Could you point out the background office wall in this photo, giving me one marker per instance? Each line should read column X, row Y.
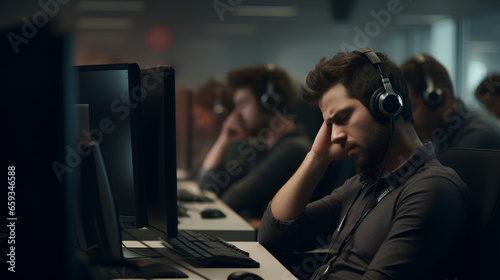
column 212, row 36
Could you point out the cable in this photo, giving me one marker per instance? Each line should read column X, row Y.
column 388, row 149
column 165, row 255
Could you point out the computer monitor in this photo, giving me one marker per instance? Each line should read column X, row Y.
column 114, row 94
column 158, row 114
column 98, row 227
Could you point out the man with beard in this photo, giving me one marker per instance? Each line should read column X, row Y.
column 404, row 216
column 259, row 146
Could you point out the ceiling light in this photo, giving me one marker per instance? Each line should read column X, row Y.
column 415, row 19
column 111, row 6
column 231, row 29
column 266, row 11
column 104, row 23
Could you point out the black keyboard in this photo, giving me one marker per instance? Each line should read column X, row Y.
column 205, row 251
column 184, row 195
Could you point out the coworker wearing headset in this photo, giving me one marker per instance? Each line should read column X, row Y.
column 441, row 117
column 259, row 146
column 488, row 93
column 403, row 216
column 211, row 104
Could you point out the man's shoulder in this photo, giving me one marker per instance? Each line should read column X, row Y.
column 295, row 139
column 478, row 125
column 434, row 174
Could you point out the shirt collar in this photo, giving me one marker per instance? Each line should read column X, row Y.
column 405, row 170
column 415, row 161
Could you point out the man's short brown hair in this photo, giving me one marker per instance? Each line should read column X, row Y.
column 358, row 75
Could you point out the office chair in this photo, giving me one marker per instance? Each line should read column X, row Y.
column 480, row 170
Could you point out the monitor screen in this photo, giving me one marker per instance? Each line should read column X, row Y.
column 158, row 114
column 113, row 93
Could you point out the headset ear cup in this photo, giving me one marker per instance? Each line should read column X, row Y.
column 434, row 98
column 374, row 109
column 269, row 101
column 218, row 108
column 385, row 106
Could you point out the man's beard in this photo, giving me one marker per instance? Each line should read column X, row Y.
column 373, row 149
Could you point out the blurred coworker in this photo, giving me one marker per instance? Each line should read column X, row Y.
column 441, row 117
column 269, row 146
column 488, row 93
column 211, row 104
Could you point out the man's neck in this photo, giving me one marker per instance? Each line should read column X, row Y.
column 405, row 142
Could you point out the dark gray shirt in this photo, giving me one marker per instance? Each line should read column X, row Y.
column 250, row 179
column 411, row 232
column 467, row 128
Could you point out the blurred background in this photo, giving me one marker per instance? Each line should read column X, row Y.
column 201, row 39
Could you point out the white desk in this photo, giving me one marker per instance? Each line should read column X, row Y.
column 230, row 228
column 269, row 268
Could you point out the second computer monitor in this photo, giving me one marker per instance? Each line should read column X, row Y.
column 158, row 115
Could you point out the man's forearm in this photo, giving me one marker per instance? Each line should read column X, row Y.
column 292, row 198
column 216, row 154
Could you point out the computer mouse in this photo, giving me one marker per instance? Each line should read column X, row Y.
column 244, row 275
column 211, row 213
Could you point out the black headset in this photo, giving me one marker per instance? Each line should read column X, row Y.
column 270, row 100
column 218, row 109
column 432, row 95
column 385, row 103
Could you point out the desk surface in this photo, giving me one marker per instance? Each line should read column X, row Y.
column 230, row 228
column 270, row 268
